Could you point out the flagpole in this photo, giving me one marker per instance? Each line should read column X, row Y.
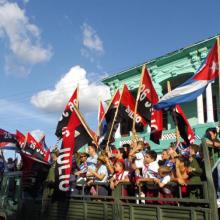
column 218, row 51
column 136, row 103
column 116, row 113
column 177, row 130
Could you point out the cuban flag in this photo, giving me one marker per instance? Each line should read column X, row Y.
column 194, row 86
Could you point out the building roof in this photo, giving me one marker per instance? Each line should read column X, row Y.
column 162, row 60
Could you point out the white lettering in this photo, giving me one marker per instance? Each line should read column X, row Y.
column 64, row 150
column 60, row 159
column 65, row 132
column 131, row 115
column 63, row 185
column 67, row 166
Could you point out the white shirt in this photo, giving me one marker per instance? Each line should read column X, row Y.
column 150, row 170
column 139, row 162
column 102, row 170
column 121, row 176
column 166, row 179
column 92, row 161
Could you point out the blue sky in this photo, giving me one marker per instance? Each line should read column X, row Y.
column 46, row 47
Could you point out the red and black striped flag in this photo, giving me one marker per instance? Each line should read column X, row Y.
column 146, row 98
column 185, row 130
column 73, row 102
column 75, row 135
column 105, row 124
column 33, row 149
column 126, row 113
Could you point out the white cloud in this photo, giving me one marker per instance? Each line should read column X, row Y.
column 91, row 40
column 55, row 100
column 24, row 37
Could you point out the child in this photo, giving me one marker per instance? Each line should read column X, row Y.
column 119, row 176
column 182, row 174
column 150, row 172
column 133, row 175
column 163, row 179
column 100, row 175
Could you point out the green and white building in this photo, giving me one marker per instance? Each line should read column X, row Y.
column 175, row 67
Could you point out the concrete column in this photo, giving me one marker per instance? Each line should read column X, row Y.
column 209, row 104
column 200, row 112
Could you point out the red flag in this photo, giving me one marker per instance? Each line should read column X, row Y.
column 34, row 149
column 186, row 131
column 106, row 122
column 127, row 111
column 21, row 139
column 67, row 112
column 156, row 125
column 75, row 135
column 147, row 98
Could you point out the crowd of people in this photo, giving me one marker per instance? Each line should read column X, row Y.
column 143, row 172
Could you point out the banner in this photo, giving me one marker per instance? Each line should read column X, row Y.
column 75, row 136
column 185, row 130
column 67, row 113
column 126, row 113
column 7, row 140
column 34, row 149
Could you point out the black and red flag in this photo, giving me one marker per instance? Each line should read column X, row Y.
column 75, row 135
column 34, row 149
column 7, row 140
column 126, row 113
column 106, row 121
column 35, row 166
column 21, row 139
column 146, row 98
column 67, row 113
column 185, row 130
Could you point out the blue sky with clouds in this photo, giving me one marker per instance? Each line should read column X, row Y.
column 47, row 47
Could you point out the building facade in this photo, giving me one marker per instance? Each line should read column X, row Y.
column 175, row 67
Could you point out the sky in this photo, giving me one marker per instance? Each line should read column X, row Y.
column 48, row 47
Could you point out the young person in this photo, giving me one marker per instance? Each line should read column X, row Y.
column 119, row 176
column 149, row 174
column 100, row 175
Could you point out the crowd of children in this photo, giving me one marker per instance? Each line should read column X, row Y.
column 143, row 172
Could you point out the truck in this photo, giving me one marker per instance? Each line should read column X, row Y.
column 15, row 203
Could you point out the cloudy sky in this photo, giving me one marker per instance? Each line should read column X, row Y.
column 48, row 47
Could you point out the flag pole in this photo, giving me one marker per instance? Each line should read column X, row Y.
column 113, row 122
column 218, row 51
column 177, row 130
column 136, row 103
